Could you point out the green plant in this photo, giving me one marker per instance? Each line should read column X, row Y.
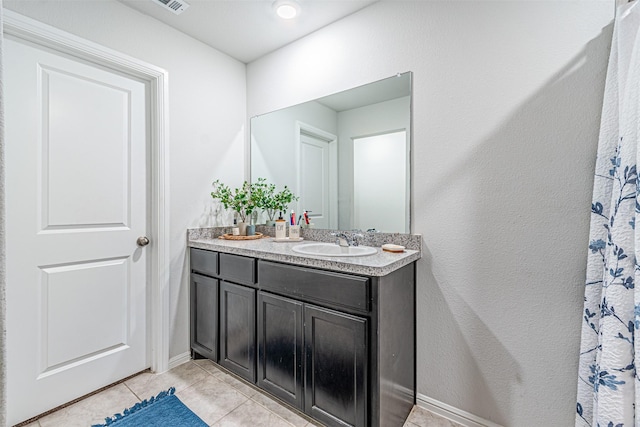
column 246, row 199
column 277, row 201
column 240, row 199
column 261, row 192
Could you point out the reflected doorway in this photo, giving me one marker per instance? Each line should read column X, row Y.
column 318, row 176
column 379, row 170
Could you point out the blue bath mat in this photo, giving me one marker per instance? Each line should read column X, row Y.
column 163, row 410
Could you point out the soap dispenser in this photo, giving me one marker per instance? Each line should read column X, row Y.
column 281, row 227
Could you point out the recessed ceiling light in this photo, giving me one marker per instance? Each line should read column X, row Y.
column 286, row 9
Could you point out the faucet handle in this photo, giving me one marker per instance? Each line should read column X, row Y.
column 355, row 237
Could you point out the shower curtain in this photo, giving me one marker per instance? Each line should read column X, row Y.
column 608, row 385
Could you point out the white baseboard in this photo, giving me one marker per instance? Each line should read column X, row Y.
column 179, row 359
column 451, row 413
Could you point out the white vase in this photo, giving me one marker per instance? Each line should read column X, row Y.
column 243, row 228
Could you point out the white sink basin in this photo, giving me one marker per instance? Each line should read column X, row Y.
column 331, row 249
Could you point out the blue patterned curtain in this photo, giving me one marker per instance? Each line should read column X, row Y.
column 608, row 384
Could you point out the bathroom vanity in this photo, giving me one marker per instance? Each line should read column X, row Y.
column 333, row 337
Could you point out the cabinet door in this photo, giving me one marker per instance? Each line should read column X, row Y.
column 280, row 347
column 204, row 316
column 238, row 329
column 336, row 367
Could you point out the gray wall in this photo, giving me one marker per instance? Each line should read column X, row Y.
column 507, row 99
column 207, row 117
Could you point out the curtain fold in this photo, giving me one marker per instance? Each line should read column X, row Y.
column 608, row 385
column 3, row 376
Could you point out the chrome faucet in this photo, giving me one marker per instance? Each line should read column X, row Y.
column 344, row 240
column 341, row 239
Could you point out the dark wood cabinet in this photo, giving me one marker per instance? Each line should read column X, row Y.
column 336, row 367
column 238, row 330
column 204, row 316
column 332, row 373
column 280, row 347
column 238, row 269
column 340, row 347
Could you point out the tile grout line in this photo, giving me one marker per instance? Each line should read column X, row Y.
column 228, row 413
column 249, row 398
column 132, row 392
column 186, row 385
column 283, row 405
column 79, row 399
column 274, row 413
column 255, row 403
column 219, row 380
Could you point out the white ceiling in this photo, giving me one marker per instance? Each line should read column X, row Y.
column 248, row 29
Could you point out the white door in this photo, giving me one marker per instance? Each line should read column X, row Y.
column 315, row 173
column 379, row 179
column 76, row 203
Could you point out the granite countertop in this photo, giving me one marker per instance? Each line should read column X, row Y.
column 379, row 264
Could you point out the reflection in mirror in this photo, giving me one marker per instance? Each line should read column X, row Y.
column 345, row 155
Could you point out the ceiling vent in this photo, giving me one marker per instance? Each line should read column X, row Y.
column 174, row 6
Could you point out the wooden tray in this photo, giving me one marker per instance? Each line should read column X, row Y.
column 232, row 237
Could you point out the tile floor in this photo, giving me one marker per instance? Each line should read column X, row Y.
column 217, row 397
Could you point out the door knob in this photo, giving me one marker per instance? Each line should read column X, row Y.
column 142, row 241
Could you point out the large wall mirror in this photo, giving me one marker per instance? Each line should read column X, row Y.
column 347, row 156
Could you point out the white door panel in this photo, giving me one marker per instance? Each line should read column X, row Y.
column 80, row 286
column 103, row 164
column 314, row 179
column 76, row 202
column 315, row 172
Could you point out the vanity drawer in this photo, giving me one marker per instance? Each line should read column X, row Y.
column 238, row 269
column 334, row 289
column 205, row 262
